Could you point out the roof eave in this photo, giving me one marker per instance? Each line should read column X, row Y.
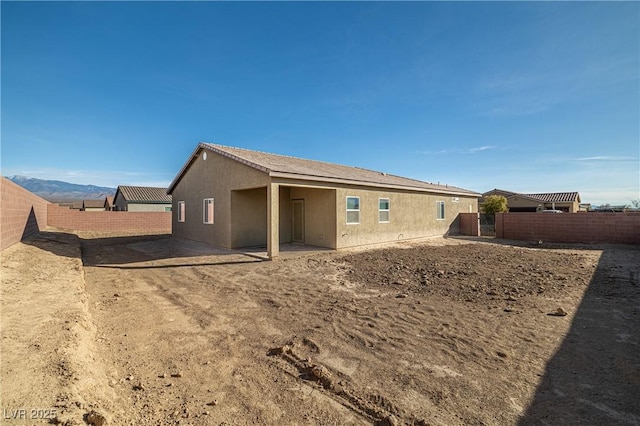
column 212, row 148
column 314, row 178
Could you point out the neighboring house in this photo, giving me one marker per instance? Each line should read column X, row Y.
column 93, row 205
column 108, row 202
column 141, row 199
column 568, row 202
column 235, row 198
column 75, row 205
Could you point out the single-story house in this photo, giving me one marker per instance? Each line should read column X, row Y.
column 92, row 205
column 233, row 197
column 568, row 202
column 76, row 205
column 108, row 203
column 141, row 199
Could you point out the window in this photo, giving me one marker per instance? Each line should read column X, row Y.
column 207, row 211
column 383, row 210
column 180, row 211
column 353, row 210
column 167, row 208
column 440, row 210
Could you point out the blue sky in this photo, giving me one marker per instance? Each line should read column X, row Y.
column 528, row 97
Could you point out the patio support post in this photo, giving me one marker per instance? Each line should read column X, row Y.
column 273, row 220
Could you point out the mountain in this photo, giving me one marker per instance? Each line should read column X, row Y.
column 57, row 191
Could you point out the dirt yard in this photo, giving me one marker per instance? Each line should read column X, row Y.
column 150, row 330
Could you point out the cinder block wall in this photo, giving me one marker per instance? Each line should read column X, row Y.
column 144, row 222
column 612, row 228
column 470, row 224
column 22, row 213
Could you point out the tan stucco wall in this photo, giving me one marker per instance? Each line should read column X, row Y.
column 135, row 207
column 120, row 203
column 285, row 214
column 523, row 202
column 412, row 215
column 319, row 215
column 215, row 178
column 249, row 217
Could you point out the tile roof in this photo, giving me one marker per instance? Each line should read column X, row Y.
column 548, row 197
column 108, row 200
column 144, row 194
column 556, row 197
column 292, row 167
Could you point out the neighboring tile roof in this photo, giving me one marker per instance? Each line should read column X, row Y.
column 293, row 167
column 93, row 204
column 144, row 194
column 108, row 200
column 556, row 197
column 549, row 197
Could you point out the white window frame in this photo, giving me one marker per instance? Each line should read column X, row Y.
column 352, row 210
column 205, row 219
column 182, row 208
column 387, row 210
column 438, row 204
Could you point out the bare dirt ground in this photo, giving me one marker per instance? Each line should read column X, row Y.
column 150, row 330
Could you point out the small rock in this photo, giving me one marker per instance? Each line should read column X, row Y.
column 130, row 377
column 116, row 295
column 95, row 419
column 402, row 296
column 558, row 313
column 178, row 374
column 319, row 371
column 163, row 375
column 213, row 403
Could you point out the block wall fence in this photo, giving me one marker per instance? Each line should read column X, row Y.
column 588, row 228
column 75, row 220
column 23, row 213
column 470, row 224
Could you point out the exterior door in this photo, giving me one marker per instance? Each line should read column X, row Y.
column 297, row 221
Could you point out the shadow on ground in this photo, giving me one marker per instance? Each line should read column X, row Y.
column 594, row 377
column 151, row 251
